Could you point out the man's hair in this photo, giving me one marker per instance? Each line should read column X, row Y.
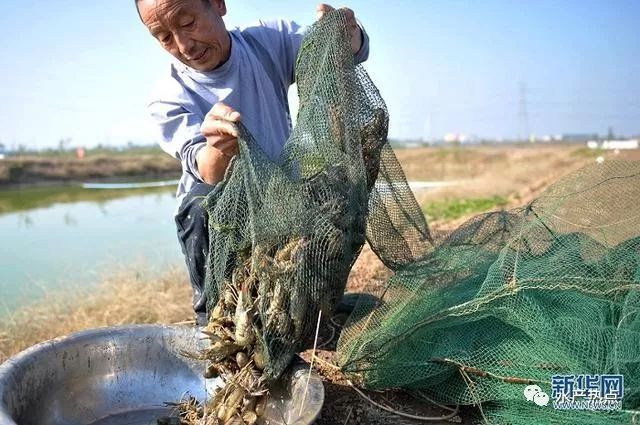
column 206, row 2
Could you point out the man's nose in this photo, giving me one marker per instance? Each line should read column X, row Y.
column 185, row 44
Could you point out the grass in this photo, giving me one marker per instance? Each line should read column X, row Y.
column 516, row 173
column 124, row 298
column 451, row 209
column 588, row 152
column 128, row 297
column 129, row 150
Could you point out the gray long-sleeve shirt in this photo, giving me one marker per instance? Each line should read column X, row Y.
column 254, row 81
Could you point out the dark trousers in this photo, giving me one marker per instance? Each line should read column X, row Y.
column 191, row 222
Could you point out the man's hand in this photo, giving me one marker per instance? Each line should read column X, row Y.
column 222, row 142
column 352, row 25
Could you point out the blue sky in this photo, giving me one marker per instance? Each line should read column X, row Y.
column 83, row 69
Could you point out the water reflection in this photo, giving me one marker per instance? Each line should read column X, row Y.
column 24, row 199
column 54, row 238
column 69, row 220
column 24, row 220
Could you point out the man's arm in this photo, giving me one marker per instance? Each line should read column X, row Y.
column 204, row 147
column 178, row 133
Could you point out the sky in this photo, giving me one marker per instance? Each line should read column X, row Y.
column 83, row 70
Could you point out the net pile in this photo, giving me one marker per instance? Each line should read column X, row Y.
column 510, row 299
column 469, row 317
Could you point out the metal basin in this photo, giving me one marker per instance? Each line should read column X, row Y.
column 124, row 375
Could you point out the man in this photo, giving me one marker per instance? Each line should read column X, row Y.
column 220, row 77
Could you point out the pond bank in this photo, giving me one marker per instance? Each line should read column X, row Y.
column 34, row 170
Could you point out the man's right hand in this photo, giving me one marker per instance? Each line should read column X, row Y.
column 222, row 142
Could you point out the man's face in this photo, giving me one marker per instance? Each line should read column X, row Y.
column 192, row 31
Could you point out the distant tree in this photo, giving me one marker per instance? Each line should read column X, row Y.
column 63, row 143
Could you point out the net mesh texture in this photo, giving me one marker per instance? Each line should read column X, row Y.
column 470, row 316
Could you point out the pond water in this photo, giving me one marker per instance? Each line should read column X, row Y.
column 58, row 238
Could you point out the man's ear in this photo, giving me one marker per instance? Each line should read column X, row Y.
column 219, row 6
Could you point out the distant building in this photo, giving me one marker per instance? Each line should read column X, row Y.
column 452, row 138
column 614, row 144
column 548, row 138
column 458, row 138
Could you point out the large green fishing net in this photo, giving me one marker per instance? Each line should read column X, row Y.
column 471, row 316
column 285, row 234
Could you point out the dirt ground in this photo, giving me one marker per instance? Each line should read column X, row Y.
column 517, row 172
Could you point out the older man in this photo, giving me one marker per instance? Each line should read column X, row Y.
column 219, row 78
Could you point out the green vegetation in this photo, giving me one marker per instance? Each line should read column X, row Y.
column 100, row 150
column 453, row 153
column 451, row 209
column 584, row 152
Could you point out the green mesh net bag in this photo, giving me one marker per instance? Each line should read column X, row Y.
column 471, row 316
column 284, row 235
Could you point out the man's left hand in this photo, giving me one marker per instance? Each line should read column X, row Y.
column 352, row 25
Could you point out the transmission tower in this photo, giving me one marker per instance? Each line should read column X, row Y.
column 523, row 115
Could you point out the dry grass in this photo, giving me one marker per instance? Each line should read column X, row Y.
column 124, row 298
column 487, row 171
column 127, row 298
column 516, row 173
